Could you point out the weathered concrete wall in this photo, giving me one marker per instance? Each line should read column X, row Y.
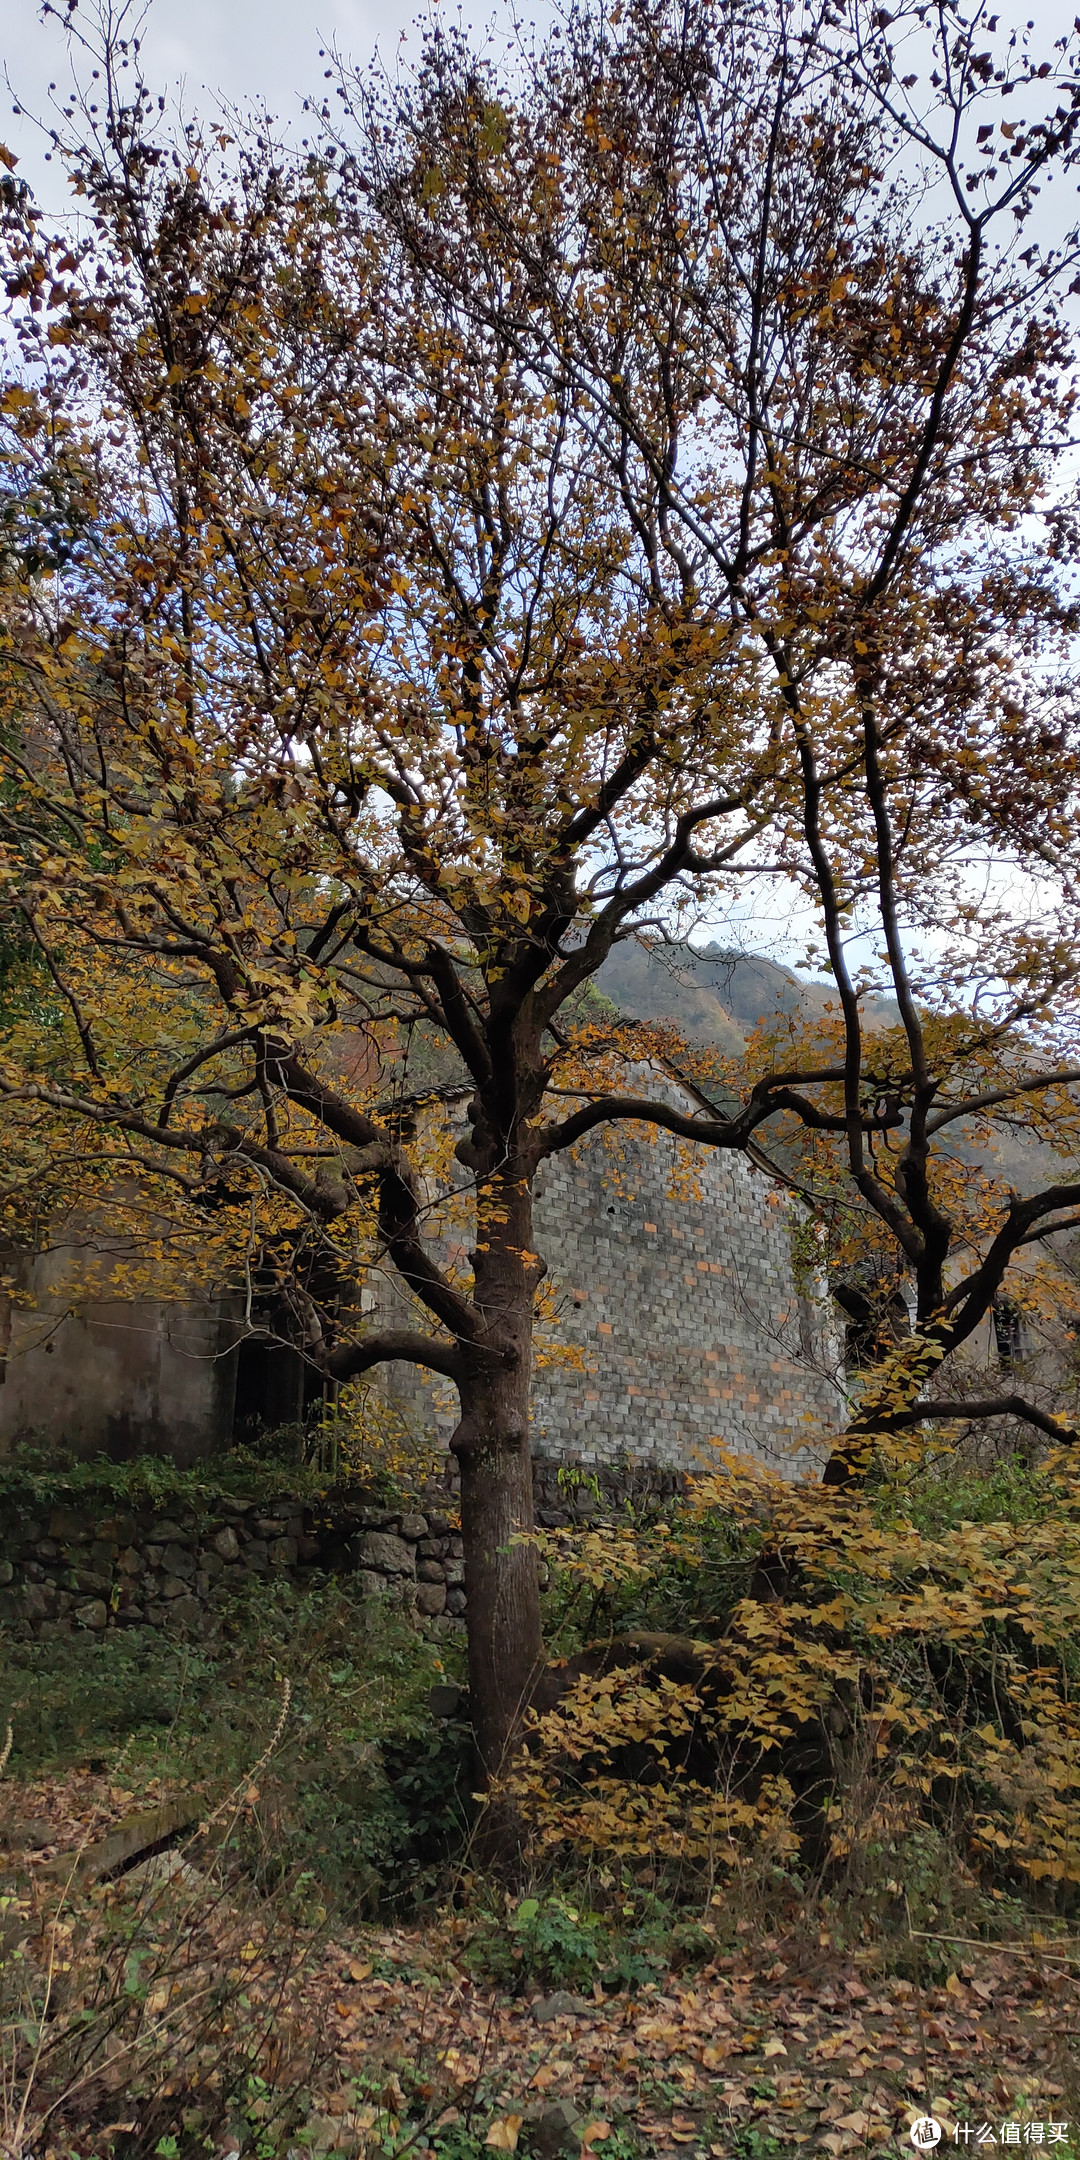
column 682, row 1314
column 116, row 1378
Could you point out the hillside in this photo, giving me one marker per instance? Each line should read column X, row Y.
column 711, row 993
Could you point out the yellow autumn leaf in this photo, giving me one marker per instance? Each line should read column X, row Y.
column 503, row 2133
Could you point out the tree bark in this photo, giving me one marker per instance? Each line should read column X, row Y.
column 501, row 1582
column 506, row 1650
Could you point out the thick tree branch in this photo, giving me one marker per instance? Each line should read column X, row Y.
column 978, row 1408
column 399, row 1208
column 726, row 1132
column 404, row 1346
column 331, row 1110
column 1048, row 1230
column 734, row 1132
column 970, row 1299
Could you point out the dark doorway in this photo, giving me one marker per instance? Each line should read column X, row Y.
column 275, row 1386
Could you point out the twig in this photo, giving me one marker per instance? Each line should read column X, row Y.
column 973, row 1942
column 238, row 1789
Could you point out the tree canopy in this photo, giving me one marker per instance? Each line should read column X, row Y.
column 563, row 494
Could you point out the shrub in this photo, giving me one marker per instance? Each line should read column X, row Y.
column 883, row 1667
column 541, row 1939
column 551, row 1941
column 31, row 1480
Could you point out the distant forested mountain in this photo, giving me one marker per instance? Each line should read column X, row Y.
column 713, row 993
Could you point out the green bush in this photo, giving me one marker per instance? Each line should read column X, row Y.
column 31, row 1480
column 542, row 1940
column 1015, row 1490
column 548, row 1941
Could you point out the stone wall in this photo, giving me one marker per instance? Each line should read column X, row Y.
column 70, row 1568
column 680, row 1314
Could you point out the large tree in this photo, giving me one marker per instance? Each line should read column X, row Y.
column 555, row 495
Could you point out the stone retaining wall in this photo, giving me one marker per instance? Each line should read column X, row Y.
column 71, row 1567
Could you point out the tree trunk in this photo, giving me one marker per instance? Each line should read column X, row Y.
column 506, row 1648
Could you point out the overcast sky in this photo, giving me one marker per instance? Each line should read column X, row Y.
column 262, row 49
column 268, row 50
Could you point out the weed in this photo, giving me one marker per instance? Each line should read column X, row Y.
column 623, row 2142
column 550, row 1941
column 753, row 2143
column 545, row 1940
column 180, row 1997
column 458, row 2141
column 32, row 1480
column 362, row 1795
column 1014, row 1490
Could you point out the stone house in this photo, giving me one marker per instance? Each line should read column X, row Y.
column 679, row 1314
column 683, row 1309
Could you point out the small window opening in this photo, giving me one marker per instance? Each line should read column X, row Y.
column 1008, row 1332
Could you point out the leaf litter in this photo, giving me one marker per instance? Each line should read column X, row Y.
column 784, row 2042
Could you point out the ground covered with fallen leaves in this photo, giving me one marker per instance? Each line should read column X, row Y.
column 779, row 2041
column 788, row 2038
